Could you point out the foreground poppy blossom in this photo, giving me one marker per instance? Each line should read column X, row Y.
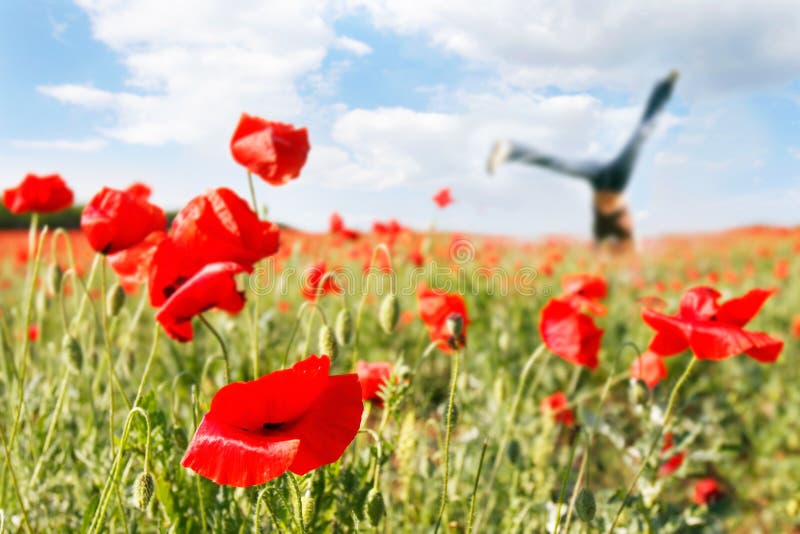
column 373, row 377
column 272, row 150
column 707, row 491
column 296, row 419
column 217, row 226
column 40, row 194
column 443, row 198
column 712, row 330
column 132, row 264
column 649, row 368
column 570, row 334
column 585, row 290
column 435, row 308
column 114, row 220
column 557, row 407
column 315, row 283
column 213, row 287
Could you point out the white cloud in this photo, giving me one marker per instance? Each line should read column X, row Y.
column 354, row 46
column 85, row 145
column 536, row 43
column 794, row 151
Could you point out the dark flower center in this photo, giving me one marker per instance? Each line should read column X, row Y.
column 272, row 426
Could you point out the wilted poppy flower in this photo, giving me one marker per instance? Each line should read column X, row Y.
column 132, row 264
column 674, row 461
column 213, row 287
column 42, row 194
column 435, row 308
column 114, row 220
column 706, row 491
column 713, row 331
column 296, row 419
column 570, row 334
column 217, row 226
column 272, row 150
column 443, row 198
column 373, row 377
column 556, row 406
column 315, row 283
column 649, row 368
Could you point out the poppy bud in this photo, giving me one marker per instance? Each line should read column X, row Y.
column 327, row 343
column 344, row 326
column 389, row 313
column 143, row 489
column 307, row 507
column 72, row 352
column 513, row 451
column 374, row 508
column 115, row 300
column 585, row 505
column 179, row 436
column 54, row 277
column 455, row 325
column 453, row 415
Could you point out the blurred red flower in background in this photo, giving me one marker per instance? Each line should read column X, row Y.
column 649, row 368
column 707, row 491
column 435, row 308
column 272, row 150
column 373, row 377
column 41, row 194
column 315, row 283
column 557, row 407
column 296, row 419
column 443, row 198
column 674, row 461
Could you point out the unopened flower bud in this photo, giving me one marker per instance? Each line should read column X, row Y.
column 72, row 352
column 455, row 325
column 307, row 507
column 143, row 489
column 374, row 508
column 54, row 277
column 327, row 343
column 389, row 313
column 344, row 326
column 585, row 505
column 115, row 300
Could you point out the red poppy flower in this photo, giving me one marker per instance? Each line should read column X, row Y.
column 781, row 269
column 313, row 285
column 435, row 307
column 388, row 231
column 114, row 220
column 674, row 461
column 706, row 491
column 296, row 419
column 213, row 287
column 33, row 332
column 132, row 264
column 337, row 227
column 42, row 194
column 584, row 290
column 713, row 331
column 556, row 406
column 217, row 226
column 570, row 334
column 272, row 150
column 443, row 198
column 796, row 326
column 373, row 377
column 649, row 368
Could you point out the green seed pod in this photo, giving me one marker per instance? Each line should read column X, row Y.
column 54, row 277
column 513, row 451
column 307, row 507
column 179, row 436
column 374, row 508
column 143, row 489
column 344, row 326
column 327, row 343
column 389, row 313
column 585, row 505
column 115, row 300
column 455, row 325
column 71, row 350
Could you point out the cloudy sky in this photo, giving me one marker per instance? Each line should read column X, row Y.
column 404, row 97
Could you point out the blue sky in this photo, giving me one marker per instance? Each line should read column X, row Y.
column 402, row 98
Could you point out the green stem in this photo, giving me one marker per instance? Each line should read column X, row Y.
column 14, row 481
column 564, row 481
column 296, row 327
column 475, row 487
column 363, row 301
column 656, row 440
column 52, row 428
column 222, row 346
column 453, row 382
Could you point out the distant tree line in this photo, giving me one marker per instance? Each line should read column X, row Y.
column 69, row 218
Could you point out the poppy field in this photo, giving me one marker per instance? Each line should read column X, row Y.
column 220, row 373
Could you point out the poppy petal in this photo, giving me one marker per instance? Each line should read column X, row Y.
column 234, row 457
column 739, row 311
column 330, row 425
column 766, row 349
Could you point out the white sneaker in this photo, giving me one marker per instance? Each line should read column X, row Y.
column 499, row 154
